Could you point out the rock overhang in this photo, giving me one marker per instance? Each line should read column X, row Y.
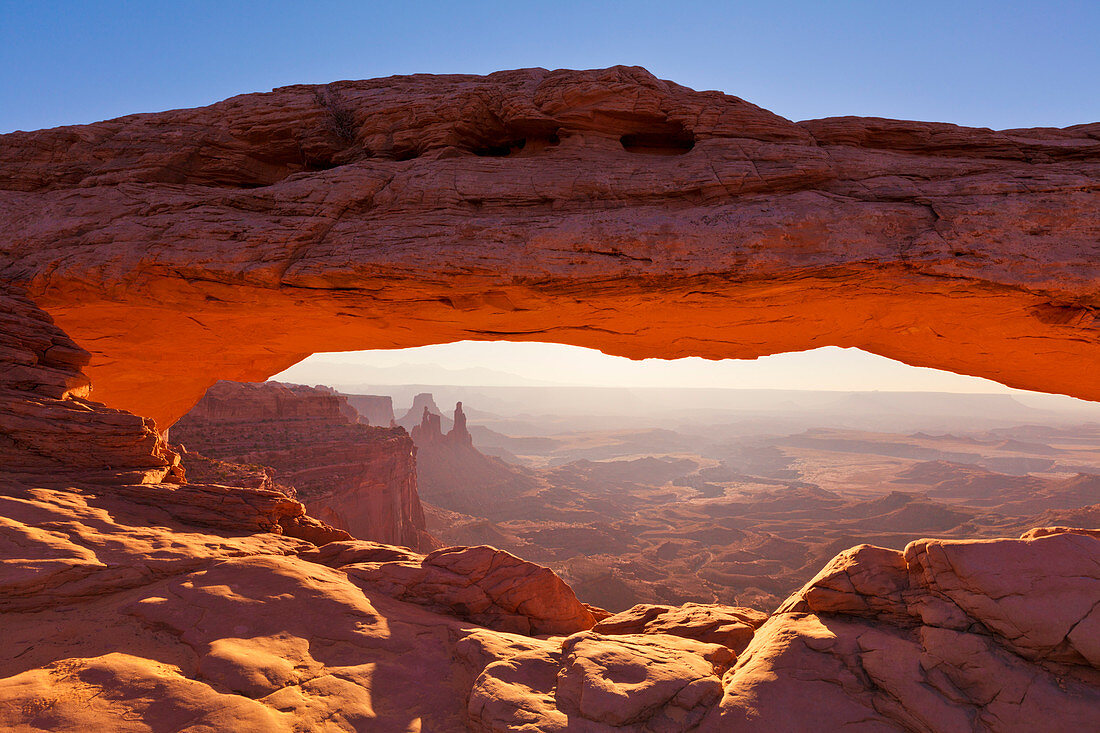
column 601, row 208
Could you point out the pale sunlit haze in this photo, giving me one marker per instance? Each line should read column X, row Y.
column 511, row 363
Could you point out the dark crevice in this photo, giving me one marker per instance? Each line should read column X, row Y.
column 674, row 141
column 501, row 150
column 501, row 139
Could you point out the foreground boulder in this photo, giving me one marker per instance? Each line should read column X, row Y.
column 945, row 636
column 712, row 623
column 482, row 584
column 590, row 682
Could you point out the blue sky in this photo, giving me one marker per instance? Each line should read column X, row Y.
column 995, row 64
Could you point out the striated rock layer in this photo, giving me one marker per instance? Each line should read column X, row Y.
column 601, row 208
column 47, row 424
column 356, row 478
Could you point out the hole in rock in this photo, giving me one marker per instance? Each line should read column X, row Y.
column 674, row 142
column 653, row 481
column 500, row 139
column 502, row 149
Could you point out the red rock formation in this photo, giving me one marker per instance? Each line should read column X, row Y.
column 104, row 466
column 270, row 226
column 424, row 403
column 47, row 424
column 482, row 584
column 128, row 607
column 711, row 623
column 373, row 409
column 455, row 475
column 993, row 635
column 990, row 635
column 603, row 208
column 357, row 478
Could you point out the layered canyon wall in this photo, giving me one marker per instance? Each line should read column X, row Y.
column 355, row 477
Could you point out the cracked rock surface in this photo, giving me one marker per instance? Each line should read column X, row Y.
column 946, row 636
column 604, row 208
column 133, row 601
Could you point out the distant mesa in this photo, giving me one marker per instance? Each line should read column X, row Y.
column 424, row 402
column 373, row 409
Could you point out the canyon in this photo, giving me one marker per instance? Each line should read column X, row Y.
column 145, row 258
column 740, row 511
column 355, row 477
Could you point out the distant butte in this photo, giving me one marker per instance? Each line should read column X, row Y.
column 604, row 208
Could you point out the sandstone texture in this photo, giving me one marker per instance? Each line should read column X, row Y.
column 354, row 477
column 481, row 584
column 712, row 623
column 594, row 683
column 603, row 208
column 47, row 424
column 947, row 636
column 598, row 208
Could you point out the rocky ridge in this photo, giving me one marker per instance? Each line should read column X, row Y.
column 357, row 478
column 603, row 208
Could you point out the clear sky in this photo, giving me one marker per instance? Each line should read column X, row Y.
column 997, row 64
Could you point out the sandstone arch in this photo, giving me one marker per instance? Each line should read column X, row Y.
column 606, row 209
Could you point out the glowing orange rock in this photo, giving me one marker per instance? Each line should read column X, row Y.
column 604, row 208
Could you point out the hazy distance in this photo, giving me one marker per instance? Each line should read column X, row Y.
column 507, row 363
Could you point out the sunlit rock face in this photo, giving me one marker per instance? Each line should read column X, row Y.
column 47, row 424
column 603, row 208
column 947, row 635
column 357, row 478
column 162, row 606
